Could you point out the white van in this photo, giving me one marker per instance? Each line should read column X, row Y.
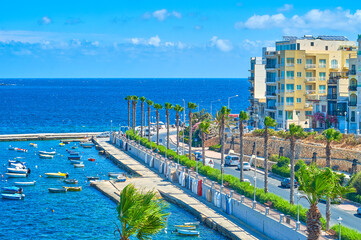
column 232, row 160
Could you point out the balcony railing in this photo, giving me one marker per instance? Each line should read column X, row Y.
column 289, row 103
column 272, row 94
column 290, row 90
column 270, row 81
column 322, row 65
column 337, row 113
column 310, row 91
column 352, row 72
column 322, row 78
column 279, row 91
column 290, row 78
column 272, row 66
column 331, row 96
column 310, row 79
column 352, row 88
column 353, row 103
column 290, row 64
column 250, row 78
column 310, row 65
column 272, row 107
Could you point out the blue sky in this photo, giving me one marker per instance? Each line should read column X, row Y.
column 174, row 38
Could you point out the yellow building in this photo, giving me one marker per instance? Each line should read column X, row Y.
column 301, row 69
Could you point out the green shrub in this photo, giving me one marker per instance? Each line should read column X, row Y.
column 216, row 147
column 282, row 171
column 356, row 182
column 347, row 233
column 354, row 197
column 283, row 162
column 299, row 164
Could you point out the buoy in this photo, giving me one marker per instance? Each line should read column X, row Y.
column 39, row 175
column 53, row 210
column 2, row 176
column 36, row 166
column 61, row 155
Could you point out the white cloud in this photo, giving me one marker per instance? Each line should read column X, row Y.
column 154, row 41
column 162, row 14
column 335, row 19
column 285, row 8
column 222, row 44
column 198, row 27
column 45, row 20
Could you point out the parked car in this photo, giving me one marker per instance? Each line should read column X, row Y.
column 198, row 155
column 359, row 211
column 232, row 160
column 146, row 132
column 104, row 135
column 286, row 182
column 246, row 166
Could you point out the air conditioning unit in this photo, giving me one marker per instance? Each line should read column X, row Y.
column 307, row 105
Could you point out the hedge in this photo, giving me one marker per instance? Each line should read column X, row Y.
column 242, row 188
column 347, row 233
column 216, row 147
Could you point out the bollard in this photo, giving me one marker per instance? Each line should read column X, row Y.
column 288, row 219
column 281, row 218
column 212, row 187
column 242, row 198
column 267, row 211
column 254, row 204
column 221, row 189
column 314, row 158
column 231, row 194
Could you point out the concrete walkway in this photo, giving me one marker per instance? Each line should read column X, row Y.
column 206, row 212
column 46, row 136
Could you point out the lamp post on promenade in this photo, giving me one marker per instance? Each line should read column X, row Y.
column 298, row 223
column 339, row 219
column 358, row 124
column 211, row 105
column 345, row 122
column 230, row 99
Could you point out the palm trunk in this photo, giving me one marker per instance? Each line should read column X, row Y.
column 190, row 135
column 313, row 222
column 203, row 148
column 328, row 154
column 128, row 114
column 133, row 109
column 149, row 124
column 135, row 115
column 141, row 118
column 292, row 160
column 328, row 202
column 241, row 151
column 167, row 129
column 219, row 134
column 177, row 117
column 157, row 127
column 266, row 160
column 222, row 148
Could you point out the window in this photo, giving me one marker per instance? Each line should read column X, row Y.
column 322, row 76
column 309, row 74
column 299, row 61
column 299, row 87
column 309, row 113
column 347, row 63
column 298, row 46
column 290, row 88
column 282, row 87
column 309, row 87
column 323, row 108
column 299, row 74
column 289, row 101
column 289, row 115
column 290, row 62
column 290, row 74
column 322, row 63
column 317, row 108
column 352, row 116
column 326, row 48
column 282, row 100
column 312, row 44
column 280, row 113
column 334, row 63
column 322, row 89
column 309, row 61
column 282, row 74
column 299, row 100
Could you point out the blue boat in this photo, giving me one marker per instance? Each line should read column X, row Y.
column 75, row 162
column 15, row 196
column 73, row 153
column 11, row 190
column 74, row 158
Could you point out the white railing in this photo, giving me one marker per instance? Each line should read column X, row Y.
column 310, row 79
column 290, row 78
column 310, row 91
column 290, row 90
column 289, row 103
column 310, row 65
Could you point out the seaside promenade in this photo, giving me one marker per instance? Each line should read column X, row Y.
column 47, row 136
column 149, row 179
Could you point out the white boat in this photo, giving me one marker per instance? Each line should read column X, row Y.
column 47, row 153
column 18, row 165
column 115, row 174
column 185, row 227
column 18, row 170
column 79, row 165
column 192, row 223
column 16, row 196
column 57, row 175
column 187, row 232
column 21, row 150
column 24, row 184
column 76, row 162
column 16, row 175
column 46, row 156
column 16, row 162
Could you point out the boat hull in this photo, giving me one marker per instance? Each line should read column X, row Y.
column 17, row 170
column 47, row 153
column 24, row 184
column 73, row 189
column 57, row 190
column 79, row 165
column 46, row 156
column 56, row 175
column 16, row 175
column 74, row 158
column 13, row 196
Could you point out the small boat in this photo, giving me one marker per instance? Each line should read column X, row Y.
column 57, row 190
column 61, row 144
column 87, row 145
column 115, row 174
column 91, row 159
column 33, row 145
column 21, row 150
column 15, row 196
column 45, row 156
column 74, row 158
column 11, row 148
column 71, row 181
column 47, row 153
column 185, row 227
column 16, row 162
column 24, row 184
column 17, row 175
column 121, row 179
column 75, row 162
column 93, row 178
column 18, row 170
column 73, row 189
column 192, row 223
column 74, row 153
column 80, row 165
column 57, row 175
column 11, row 190
column 18, row 165
column 185, row 232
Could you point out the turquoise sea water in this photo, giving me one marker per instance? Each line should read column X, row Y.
column 74, row 215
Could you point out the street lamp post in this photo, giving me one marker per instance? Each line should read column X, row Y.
column 358, row 124
column 345, row 122
column 255, row 180
column 230, row 99
column 339, row 219
column 211, row 105
column 298, row 223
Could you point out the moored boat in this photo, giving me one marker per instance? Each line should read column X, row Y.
column 61, row 144
column 121, row 179
column 18, row 165
column 16, row 162
column 57, row 175
column 74, row 147
column 16, row 175
column 18, row 170
column 87, row 144
column 193, row 223
column 15, row 196
column 71, row 181
column 80, row 165
column 21, row 150
column 11, row 148
column 24, row 184
column 73, row 153
column 185, row 227
column 91, row 159
column 74, row 158
column 11, row 190
column 33, row 145
column 45, row 156
column 115, row 174
column 93, row 178
column 57, row 190
column 47, row 153
column 185, row 232
column 75, row 162
column 73, row 189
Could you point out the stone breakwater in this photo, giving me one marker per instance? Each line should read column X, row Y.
column 47, row 136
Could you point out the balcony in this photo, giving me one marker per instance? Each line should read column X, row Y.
column 271, row 94
column 271, row 107
column 307, row 105
column 278, row 91
column 251, row 89
column 290, row 78
column 310, row 65
column 352, row 72
column 310, row 79
column 251, row 79
column 334, row 66
column 270, row 81
column 290, row 91
column 322, row 66
column 352, row 103
column 272, row 67
column 290, row 64
column 289, row 103
column 352, row 88
column 331, row 96
column 270, row 53
column 309, row 92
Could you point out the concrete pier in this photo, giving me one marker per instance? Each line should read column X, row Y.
column 203, row 210
column 47, row 136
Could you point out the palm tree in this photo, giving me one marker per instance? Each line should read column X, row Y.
column 178, row 108
column 204, row 128
column 167, row 106
column 218, row 120
column 295, row 132
column 268, row 122
column 315, row 184
column 157, row 107
column 224, row 112
column 128, row 98
column 140, row 213
column 142, row 100
column 243, row 116
column 191, row 106
column 135, row 101
column 330, row 135
column 150, row 103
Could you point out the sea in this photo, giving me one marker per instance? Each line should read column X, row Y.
column 88, row 105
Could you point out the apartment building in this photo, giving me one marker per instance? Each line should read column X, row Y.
column 297, row 74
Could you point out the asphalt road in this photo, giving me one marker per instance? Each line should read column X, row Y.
column 350, row 219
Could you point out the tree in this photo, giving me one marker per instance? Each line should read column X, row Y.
column 178, row 109
column 157, row 107
column 315, row 184
column 243, row 116
column 295, row 132
column 128, row 98
column 224, row 112
column 142, row 100
column 140, row 213
column 204, row 128
column 191, row 106
column 135, row 101
column 331, row 135
column 150, row 103
column 268, row 122
column 167, row 106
